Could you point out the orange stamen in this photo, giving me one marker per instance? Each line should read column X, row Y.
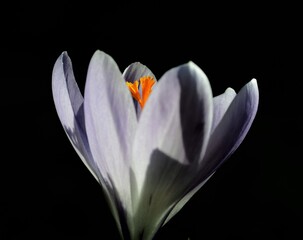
column 146, row 83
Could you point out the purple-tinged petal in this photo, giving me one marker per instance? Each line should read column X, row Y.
column 232, row 129
column 177, row 120
column 110, row 121
column 221, row 104
column 69, row 105
column 135, row 71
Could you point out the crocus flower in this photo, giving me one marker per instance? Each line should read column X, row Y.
column 151, row 145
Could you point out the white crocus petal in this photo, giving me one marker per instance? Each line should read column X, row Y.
column 135, row 71
column 69, row 105
column 176, row 115
column 172, row 134
column 110, row 121
column 240, row 111
column 232, row 129
column 221, row 103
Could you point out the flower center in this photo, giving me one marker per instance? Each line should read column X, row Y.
column 146, row 83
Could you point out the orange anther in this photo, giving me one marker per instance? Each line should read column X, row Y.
column 146, row 84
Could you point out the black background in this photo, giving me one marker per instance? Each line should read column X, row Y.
column 46, row 191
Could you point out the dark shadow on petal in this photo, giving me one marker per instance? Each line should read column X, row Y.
column 231, row 130
column 72, row 87
column 191, row 113
column 73, row 136
column 108, row 185
column 79, row 115
column 75, row 96
column 76, row 135
column 165, row 183
column 125, row 231
column 137, row 108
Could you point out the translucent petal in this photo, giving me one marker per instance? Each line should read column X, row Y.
column 69, row 105
column 110, row 121
column 232, row 129
column 172, row 134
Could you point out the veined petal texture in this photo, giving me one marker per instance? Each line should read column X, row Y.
column 69, row 105
column 232, row 128
column 110, row 121
column 172, row 136
column 150, row 159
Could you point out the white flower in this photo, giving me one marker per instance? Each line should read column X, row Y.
column 150, row 161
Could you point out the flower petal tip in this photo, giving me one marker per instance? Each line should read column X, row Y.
column 191, row 64
column 64, row 57
column 230, row 90
column 252, row 92
column 254, row 82
column 253, row 85
column 98, row 54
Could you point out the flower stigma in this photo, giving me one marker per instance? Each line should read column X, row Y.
column 146, row 83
